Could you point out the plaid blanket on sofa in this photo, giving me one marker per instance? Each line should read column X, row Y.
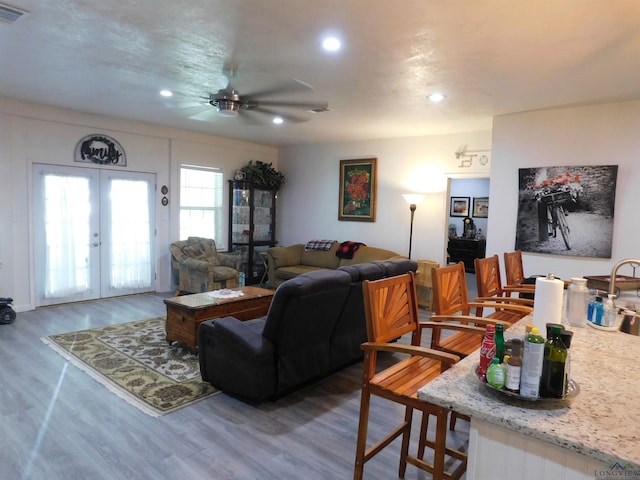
column 348, row 249
column 319, row 245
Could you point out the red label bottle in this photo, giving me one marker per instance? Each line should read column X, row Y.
column 487, row 351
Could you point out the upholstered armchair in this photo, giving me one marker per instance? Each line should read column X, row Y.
column 198, row 267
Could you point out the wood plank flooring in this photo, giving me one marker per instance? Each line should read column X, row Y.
column 58, row 423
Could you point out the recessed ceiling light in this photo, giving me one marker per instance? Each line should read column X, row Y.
column 436, row 97
column 331, row 44
column 166, row 93
column 278, row 120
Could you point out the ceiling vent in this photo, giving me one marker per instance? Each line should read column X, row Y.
column 10, row 14
column 319, row 109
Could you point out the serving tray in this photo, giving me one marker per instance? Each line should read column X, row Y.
column 542, row 403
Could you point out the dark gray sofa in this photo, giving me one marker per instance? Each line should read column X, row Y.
column 315, row 325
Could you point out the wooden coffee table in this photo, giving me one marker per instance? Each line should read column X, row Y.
column 186, row 313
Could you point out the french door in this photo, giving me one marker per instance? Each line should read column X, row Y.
column 94, row 233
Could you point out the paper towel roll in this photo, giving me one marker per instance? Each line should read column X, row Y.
column 547, row 306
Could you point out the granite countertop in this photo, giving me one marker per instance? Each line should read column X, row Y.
column 602, row 421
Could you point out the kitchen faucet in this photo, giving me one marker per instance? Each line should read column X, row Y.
column 614, row 272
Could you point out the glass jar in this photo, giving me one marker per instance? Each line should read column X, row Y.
column 577, row 302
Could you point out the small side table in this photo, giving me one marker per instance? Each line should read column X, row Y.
column 424, row 284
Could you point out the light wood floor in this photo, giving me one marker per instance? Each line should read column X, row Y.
column 58, row 423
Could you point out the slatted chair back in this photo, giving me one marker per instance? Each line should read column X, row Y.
column 450, row 294
column 451, row 298
column 513, row 269
column 489, row 285
column 488, row 278
column 391, row 309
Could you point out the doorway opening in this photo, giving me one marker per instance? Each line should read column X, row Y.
column 467, row 217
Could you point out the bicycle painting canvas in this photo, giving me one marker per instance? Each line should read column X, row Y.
column 566, row 210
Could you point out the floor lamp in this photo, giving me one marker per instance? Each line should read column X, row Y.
column 412, row 199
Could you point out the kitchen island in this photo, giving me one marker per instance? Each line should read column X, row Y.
column 594, row 435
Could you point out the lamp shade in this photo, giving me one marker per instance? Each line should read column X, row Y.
column 413, row 198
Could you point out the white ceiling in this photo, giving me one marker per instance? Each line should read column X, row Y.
column 488, row 57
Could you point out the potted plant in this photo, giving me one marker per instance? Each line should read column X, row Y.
column 262, row 175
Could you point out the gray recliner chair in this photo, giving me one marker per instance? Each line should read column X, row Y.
column 269, row 356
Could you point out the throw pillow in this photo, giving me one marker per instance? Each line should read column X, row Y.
column 319, row 245
column 194, row 251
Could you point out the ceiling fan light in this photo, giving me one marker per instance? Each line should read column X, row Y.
column 331, row 44
column 227, row 108
column 278, row 120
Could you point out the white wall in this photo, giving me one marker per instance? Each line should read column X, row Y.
column 308, row 202
column 591, row 135
column 31, row 133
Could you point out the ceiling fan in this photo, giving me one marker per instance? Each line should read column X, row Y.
column 264, row 104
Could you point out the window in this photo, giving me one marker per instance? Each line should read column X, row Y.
column 201, row 191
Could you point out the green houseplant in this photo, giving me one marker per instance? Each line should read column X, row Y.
column 262, row 174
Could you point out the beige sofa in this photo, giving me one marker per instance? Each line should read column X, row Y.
column 289, row 262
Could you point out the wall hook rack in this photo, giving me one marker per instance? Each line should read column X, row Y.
column 466, row 157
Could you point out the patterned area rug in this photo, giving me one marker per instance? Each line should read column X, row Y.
column 134, row 361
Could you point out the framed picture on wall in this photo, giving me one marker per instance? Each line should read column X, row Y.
column 481, row 207
column 459, row 207
column 358, row 190
column 567, row 210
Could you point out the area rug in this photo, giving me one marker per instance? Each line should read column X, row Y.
column 134, row 361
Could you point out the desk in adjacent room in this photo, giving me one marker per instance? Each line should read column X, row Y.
column 466, row 250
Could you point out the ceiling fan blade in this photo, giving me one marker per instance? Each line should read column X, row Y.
column 292, row 85
column 285, row 116
column 285, row 104
column 206, row 115
column 251, row 118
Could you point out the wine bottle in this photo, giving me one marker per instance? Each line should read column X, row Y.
column 553, row 383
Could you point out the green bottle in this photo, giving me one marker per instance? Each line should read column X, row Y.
column 499, row 339
column 553, row 383
column 495, row 374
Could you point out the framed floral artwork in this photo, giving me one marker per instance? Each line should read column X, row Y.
column 480, row 207
column 459, row 207
column 358, row 190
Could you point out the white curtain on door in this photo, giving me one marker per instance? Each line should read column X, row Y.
column 130, row 234
column 67, row 210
